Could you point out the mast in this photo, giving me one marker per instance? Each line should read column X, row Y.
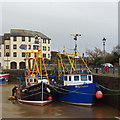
column 75, row 49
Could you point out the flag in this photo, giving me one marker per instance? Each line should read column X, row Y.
column 23, row 47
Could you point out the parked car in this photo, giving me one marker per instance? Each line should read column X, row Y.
column 108, row 64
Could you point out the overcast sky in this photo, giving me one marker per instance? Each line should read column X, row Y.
column 58, row 20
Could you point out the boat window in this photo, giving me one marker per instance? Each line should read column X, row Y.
column 76, row 78
column 83, row 77
column 65, row 78
column 69, row 78
column 34, row 80
column 89, row 78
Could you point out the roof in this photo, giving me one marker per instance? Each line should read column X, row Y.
column 1, row 40
column 28, row 33
column 6, row 36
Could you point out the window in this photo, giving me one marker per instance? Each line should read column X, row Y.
column 7, row 54
column 14, row 54
column 0, row 54
column 48, row 41
column 14, row 39
column 29, row 55
column 89, row 78
column 23, row 54
column 23, row 38
column 44, row 55
column 65, row 78
column 7, row 46
column 34, row 47
column 83, row 77
column 44, row 48
column 14, row 46
column 48, row 48
column 35, row 54
column 37, row 47
column 76, row 78
column 69, row 78
column 29, row 47
column 48, row 55
column 44, row 40
column 29, row 39
column 36, row 41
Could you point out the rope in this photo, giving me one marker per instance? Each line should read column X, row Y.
column 70, row 91
column 80, row 92
column 109, row 89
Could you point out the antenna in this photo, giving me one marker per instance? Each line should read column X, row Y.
column 75, row 38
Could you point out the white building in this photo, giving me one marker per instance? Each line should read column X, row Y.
column 1, row 52
column 18, row 41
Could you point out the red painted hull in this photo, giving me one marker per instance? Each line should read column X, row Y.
column 5, row 75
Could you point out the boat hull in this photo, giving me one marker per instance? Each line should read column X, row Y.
column 36, row 94
column 4, row 79
column 5, row 76
column 40, row 103
column 79, row 94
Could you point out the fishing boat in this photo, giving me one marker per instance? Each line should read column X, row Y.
column 35, row 89
column 3, row 77
column 77, row 87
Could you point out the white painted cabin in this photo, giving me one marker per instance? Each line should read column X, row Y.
column 77, row 79
column 34, row 80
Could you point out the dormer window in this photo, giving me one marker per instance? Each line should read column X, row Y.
column 37, row 39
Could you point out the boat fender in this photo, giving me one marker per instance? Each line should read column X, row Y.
column 48, row 90
column 12, row 98
column 99, row 94
column 49, row 98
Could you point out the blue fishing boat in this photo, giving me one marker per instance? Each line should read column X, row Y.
column 77, row 86
column 78, row 89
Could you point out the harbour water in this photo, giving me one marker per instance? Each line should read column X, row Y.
column 13, row 109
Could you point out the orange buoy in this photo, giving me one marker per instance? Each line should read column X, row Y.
column 49, row 98
column 99, row 94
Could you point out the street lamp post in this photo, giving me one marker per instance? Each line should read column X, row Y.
column 104, row 40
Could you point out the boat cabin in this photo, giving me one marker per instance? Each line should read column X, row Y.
column 34, row 80
column 77, row 79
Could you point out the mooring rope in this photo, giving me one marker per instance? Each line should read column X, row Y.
column 69, row 91
column 109, row 89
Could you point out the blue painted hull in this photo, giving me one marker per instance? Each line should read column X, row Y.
column 3, row 81
column 80, row 94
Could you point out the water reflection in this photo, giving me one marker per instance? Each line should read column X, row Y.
column 14, row 109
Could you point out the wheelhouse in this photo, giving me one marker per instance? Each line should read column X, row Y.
column 77, row 79
column 34, row 80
